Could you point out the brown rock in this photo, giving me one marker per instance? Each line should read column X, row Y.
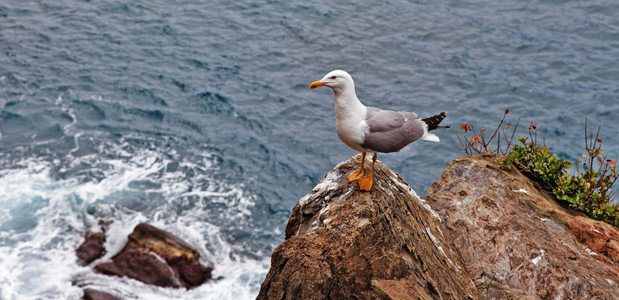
column 342, row 243
column 157, row 257
column 141, row 264
column 598, row 236
column 504, row 228
column 92, row 247
column 90, row 294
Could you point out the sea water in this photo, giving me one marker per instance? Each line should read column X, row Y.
column 196, row 117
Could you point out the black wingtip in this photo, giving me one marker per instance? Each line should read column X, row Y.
column 433, row 121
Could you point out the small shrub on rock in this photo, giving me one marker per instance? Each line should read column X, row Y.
column 589, row 191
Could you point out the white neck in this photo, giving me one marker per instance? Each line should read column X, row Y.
column 347, row 104
column 350, row 119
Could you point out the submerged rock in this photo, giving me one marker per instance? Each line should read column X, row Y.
column 90, row 294
column 92, row 248
column 509, row 232
column 157, row 257
column 343, row 243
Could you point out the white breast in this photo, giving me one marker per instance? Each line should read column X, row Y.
column 351, row 127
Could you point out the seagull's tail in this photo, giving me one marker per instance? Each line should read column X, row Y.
column 431, row 137
column 433, row 121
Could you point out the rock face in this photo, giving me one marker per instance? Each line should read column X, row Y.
column 342, row 243
column 157, row 257
column 500, row 224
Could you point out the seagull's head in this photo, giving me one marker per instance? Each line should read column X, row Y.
column 337, row 80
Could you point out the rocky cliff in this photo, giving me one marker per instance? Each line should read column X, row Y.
column 481, row 231
column 506, row 229
column 343, row 243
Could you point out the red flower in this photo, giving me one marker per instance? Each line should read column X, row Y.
column 465, row 127
column 475, row 139
column 532, row 126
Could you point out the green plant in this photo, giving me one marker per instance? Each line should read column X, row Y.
column 537, row 163
column 590, row 191
column 487, row 285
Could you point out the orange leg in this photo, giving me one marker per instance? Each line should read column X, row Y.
column 365, row 182
column 359, row 173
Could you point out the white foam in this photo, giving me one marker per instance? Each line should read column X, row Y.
column 37, row 253
column 43, row 219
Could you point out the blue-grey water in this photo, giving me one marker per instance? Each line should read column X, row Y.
column 195, row 116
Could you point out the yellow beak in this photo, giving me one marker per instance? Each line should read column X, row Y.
column 316, row 84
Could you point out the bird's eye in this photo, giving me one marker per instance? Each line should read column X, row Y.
column 333, row 77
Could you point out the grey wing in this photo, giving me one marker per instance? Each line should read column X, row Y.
column 380, row 120
column 390, row 131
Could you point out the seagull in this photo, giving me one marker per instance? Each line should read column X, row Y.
column 370, row 129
